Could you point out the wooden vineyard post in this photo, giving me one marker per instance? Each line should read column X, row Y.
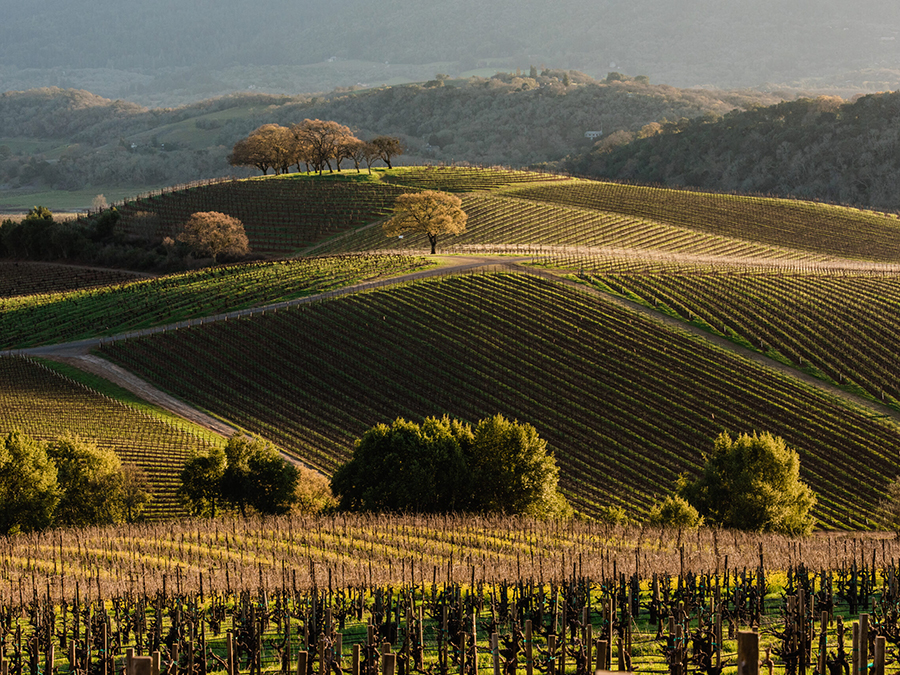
column 474, row 644
column 354, row 663
column 620, row 648
column 141, row 665
column 48, row 662
column 288, row 657
column 72, row 656
column 551, row 654
column 105, row 641
column 301, row 663
column 529, row 649
column 420, row 634
column 602, row 650
column 719, row 639
column 387, row 663
column 323, row 664
column 863, row 644
column 588, row 645
column 880, row 645
column 229, row 658
column 129, row 658
column 495, row 652
column 156, row 662
column 462, row 653
column 443, row 664
column 854, row 666
column 748, row 653
column 823, row 643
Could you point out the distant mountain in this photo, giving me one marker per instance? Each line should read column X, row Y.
column 824, row 148
column 162, row 52
column 71, row 139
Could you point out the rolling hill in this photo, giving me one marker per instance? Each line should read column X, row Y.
column 630, row 325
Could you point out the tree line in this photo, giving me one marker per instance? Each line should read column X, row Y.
column 313, row 143
column 69, row 482
column 823, row 148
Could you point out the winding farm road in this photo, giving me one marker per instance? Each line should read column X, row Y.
column 78, row 353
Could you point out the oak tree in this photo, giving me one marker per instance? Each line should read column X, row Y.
column 320, row 142
column 29, row 491
column 386, row 147
column 429, row 212
column 752, row 482
column 212, row 234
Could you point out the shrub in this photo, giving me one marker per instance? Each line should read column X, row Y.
column 752, row 483
column 674, row 511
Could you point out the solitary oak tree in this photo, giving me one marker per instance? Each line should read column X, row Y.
column 430, row 212
column 386, row 147
column 211, row 233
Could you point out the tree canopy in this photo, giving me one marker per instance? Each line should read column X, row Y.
column 752, row 483
column 444, row 465
column 430, row 212
column 247, row 474
column 67, row 482
column 91, row 481
column 213, row 234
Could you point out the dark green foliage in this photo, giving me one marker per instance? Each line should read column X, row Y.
column 512, row 470
column 407, row 467
column 443, row 465
column 674, row 511
column 201, row 480
column 249, row 474
column 29, row 490
column 824, row 148
column 91, row 482
column 752, row 483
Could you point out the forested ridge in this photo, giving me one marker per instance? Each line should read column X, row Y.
column 69, row 139
column 164, row 51
column 823, row 148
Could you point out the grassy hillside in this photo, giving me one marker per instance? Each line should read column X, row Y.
column 626, row 403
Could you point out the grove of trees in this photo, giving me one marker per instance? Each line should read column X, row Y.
column 247, row 475
column 312, row 143
column 445, row 465
column 68, row 482
column 430, row 212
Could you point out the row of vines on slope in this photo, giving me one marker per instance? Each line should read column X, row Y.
column 627, row 404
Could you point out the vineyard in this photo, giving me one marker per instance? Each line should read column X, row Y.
column 626, row 403
column 28, row 278
column 806, row 226
column 464, row 179
column 45, row 405
column 282, row 214
column 841, row 328
column 369, row 594
column 498, row 224
column 63, row 317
